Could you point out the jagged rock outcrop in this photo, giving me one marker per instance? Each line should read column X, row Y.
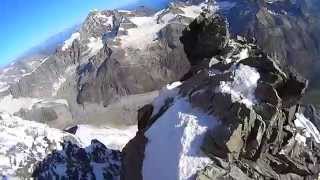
column 205, row 40
column 73, row 162
column 23, row 144
column 236, row 115
column 286, row 30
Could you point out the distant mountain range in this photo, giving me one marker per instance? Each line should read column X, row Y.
column 49, row 46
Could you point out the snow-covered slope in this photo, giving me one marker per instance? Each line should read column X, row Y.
column 175, row 138
column 24, row 144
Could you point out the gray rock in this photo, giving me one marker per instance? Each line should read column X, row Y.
column 205, row 37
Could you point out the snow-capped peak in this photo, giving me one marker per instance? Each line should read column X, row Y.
column 147, row 27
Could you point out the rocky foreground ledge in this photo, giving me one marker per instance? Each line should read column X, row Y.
column 235, row 115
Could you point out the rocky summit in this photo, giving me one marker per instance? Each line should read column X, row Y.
column 200, row 90
column 235, row 115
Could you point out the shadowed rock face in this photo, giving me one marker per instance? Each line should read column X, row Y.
column 257, row 140
column 73, row 162
column 204, row 38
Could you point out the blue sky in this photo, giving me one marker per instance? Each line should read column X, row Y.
column 26, row 23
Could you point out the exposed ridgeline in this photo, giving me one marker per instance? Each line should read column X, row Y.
column 234, row 115
column 286, row 30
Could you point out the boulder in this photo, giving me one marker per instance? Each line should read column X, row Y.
column 205, row 37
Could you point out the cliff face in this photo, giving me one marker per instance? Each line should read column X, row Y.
column 235, row 115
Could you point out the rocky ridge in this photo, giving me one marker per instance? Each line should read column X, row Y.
column 286, row 30
column 107, row 66
column 235, row 115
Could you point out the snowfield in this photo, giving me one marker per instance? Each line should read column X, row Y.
column 112, row 138
column 176, row 138
column 23, row 142
column 143, row 35
column 147, row 27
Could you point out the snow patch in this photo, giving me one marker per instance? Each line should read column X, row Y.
column 143, row 35
column 112, row 138
column 56, row 86
column 168, row 92
column 243, row 86
column 94, row 46
column 109, row 21
column 176, row 138
column 174, row 85
column 244, row 54
column 309, row 130
column 12, row 105
column 69, row 41
column 192, row 11
column 124, row 11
